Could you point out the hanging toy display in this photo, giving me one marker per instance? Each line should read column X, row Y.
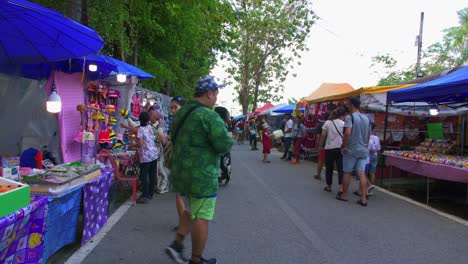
column 124, row 113
column 88, row 141
column 101, row 95
column 104, row 139
column 112, row 121
column 96, row 116
column 136, row 105
column 82, row 109
column 92, row 90
column 114, row 97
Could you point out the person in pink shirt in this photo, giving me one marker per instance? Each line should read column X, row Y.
column 267, row 142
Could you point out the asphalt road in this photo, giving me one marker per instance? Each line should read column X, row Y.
column 277, row 213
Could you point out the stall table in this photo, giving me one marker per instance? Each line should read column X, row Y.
column 22, row 233
column 427, row 169
column 35, row 232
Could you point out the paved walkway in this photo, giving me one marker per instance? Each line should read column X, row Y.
column 277, row 213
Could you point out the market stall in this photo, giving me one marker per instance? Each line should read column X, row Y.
column 440, row 156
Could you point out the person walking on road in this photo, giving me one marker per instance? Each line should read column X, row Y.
column 288, row 134
column 253, row 134
column 267, row 142
column 299, row 133
column 332, row 134
column 199, row 138
column 354, row 149
column 225, row 175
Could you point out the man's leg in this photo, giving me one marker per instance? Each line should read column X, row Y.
column 348, row 166
column 176, row 249
column 202, row 212
column 287, row 145
column 199, row 237
column 180, row 205
column 346, row 180
column 363, row 186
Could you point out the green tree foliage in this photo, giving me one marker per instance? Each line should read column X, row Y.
column 384, row 66
column 451, row 52
column 177, row 41
column 266, row 37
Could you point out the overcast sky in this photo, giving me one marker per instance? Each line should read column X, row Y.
column 350, row 33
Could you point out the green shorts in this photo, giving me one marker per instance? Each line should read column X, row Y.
column 202, row 208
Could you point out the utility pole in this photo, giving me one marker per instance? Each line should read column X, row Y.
column 419, row 43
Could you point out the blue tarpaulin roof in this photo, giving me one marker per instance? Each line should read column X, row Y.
column 240, row 116
column 125, row 68
column 449, row 88
column 107, row 66
column 31, row 34
column 287, row 109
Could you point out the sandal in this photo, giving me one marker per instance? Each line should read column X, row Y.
column 340, row 198
column 327, row 189
column 358, row 194
column 361, row 203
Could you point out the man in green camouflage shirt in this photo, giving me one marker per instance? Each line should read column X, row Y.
column 199, row 137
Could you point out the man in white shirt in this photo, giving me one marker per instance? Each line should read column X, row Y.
column 288, row 134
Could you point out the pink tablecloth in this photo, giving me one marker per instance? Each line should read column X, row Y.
column 429, row 169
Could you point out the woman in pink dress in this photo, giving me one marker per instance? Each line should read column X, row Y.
column 267, row 142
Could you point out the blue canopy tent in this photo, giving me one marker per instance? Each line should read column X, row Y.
column 125, row 68
column 30, row 33
column 240, row 116
column 287, row 109
column 451, row 88
column 43, row 70
column 106, row 66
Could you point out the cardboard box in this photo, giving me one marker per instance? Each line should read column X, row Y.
column 15, row 199
column 10, row 167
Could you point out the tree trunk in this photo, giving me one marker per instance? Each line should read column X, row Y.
column 84, row 13
column 75, row 10
column 167, row 88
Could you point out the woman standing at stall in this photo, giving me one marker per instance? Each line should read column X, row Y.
column 148, row 153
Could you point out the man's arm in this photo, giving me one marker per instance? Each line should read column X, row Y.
column 218, row 134
column 288, row 129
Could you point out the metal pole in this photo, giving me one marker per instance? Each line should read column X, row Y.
column 382, row 169
column 462, row 135
column 427, row 191
column 418, row 61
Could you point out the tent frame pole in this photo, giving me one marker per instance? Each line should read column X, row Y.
column 382, row 169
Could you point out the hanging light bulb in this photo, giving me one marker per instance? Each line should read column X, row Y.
column 433, row 111
column 121, row 77
column 54, row 102
column 92, row 67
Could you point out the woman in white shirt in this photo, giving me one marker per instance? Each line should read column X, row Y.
column 332, row 134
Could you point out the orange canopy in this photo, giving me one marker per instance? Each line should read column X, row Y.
column 326, row 90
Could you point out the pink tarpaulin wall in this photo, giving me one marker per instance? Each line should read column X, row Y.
column 70, row 89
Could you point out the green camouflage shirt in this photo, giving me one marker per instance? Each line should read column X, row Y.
column 196, row 153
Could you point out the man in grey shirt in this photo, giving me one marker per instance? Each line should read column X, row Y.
column 354, row 149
